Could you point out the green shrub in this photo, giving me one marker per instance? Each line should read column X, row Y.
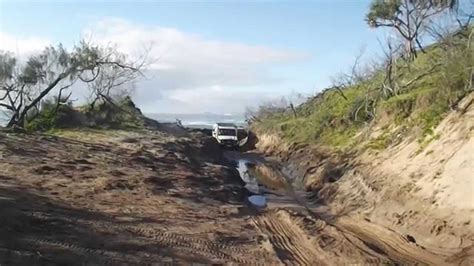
column 381, row 142
column 119, row 114
column 50, row 116
column 427, row 88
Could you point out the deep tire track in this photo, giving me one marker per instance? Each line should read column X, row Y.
column 104, row 257
column 397, row 247
column 203, row 248
column 289, row 240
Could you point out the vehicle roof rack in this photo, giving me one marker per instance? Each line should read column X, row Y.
column 226, row 125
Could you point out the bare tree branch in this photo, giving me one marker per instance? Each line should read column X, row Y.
column 424, row 74
column 55, row 70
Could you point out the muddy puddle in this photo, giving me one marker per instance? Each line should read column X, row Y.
column 266, row 186
column 251, row 183
column 287, row 212
column 258, row 199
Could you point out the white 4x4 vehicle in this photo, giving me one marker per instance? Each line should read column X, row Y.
column 226, row 134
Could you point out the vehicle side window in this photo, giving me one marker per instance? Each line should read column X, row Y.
column 227, row 132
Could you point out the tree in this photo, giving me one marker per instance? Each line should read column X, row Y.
column 465, row 15
column 23, row 86
column 356, row 75
column 268, row 108
column 115, row 82
column 409, row 18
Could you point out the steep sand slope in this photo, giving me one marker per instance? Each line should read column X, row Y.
column 424, row 195
column 427, row 193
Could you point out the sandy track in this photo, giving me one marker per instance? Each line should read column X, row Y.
column 360, row 241
column 291, row 244
column 139, row 199
column 218, row 253
column 209, row 251
column 120, row 198
column 396, row 247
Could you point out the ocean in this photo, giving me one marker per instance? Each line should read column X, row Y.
column 204, row 120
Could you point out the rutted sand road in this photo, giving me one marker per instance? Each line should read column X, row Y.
column 141, row 198
column 121, row 198
column 299, row 231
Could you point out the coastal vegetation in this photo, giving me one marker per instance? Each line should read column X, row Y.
column 35, row 92
column 405, row 94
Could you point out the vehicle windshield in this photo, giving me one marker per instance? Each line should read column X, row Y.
column 227, row 132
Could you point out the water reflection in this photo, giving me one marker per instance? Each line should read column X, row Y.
column 251, row 183
column 258, row 201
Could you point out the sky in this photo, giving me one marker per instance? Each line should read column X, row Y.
column 208, row 56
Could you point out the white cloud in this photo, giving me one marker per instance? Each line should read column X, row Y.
column 189, row 72
column 189, row 67
column 22, row 46
column 174, row 48
column 214, row 99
